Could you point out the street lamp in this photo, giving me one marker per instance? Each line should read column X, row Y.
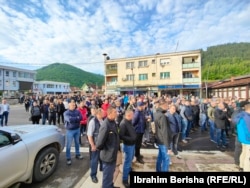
column 206, row 83
column 133, row 81
column 105, row 74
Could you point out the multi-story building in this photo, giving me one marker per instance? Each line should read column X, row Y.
column 51, row 87
column 174, row 74
column 14, row 80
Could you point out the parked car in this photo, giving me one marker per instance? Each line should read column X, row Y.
column 29, row 153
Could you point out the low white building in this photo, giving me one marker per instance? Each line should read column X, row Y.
column 51, row 87
column 15, row 80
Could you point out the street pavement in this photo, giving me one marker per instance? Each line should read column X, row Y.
column 198, row 155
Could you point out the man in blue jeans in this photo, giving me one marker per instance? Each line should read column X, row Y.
column 128, row 135
column 92, row 133
column 163, row 136
column 210, row 114
column 5, row 108
column 72, row 118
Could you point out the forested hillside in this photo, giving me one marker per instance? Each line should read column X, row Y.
column 67, row 73
column 223, row 61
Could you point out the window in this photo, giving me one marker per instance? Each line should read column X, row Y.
column 143, row 76
column 113, row 79
column 143, row 63
column 14, row 83
column 187, row 75
column 130, row 65
column 153, row 74
column 7, row 73
column 14, row 74
column 4, row 140
column 130, row 77
column 153, row 61
column 50, row 86
column 164, row 75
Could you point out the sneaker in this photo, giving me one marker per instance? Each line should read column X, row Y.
column 94, row 179
column 184, row 141
column 188, row 138
column 170, row 163
column 68, row 161
column 213, row 141
column 149, row 143
column 155, row 145
column 79, row 157
column 144, row 144
column 140, row 160
column 178, row 157
column 125, row 183
column 141, row 156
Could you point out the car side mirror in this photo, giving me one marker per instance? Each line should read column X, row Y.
column 15, row 138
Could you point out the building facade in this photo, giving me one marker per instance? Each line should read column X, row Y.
column 51, row 87
column 14, row 80
column 171, row 73
column 234, row 87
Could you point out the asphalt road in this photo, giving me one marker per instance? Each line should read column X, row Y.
column 65, row 176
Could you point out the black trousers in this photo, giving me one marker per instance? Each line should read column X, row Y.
column 138, row 144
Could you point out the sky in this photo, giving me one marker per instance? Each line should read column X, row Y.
column 37, row 33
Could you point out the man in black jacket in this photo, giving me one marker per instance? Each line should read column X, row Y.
column 128, row 135
column 220, row 118
column 163, row 136
column 108, row 142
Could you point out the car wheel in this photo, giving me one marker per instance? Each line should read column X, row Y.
column 45, row 164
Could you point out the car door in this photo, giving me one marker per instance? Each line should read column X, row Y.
column 13, row 160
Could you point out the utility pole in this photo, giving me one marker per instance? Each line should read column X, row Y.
column 133, row 81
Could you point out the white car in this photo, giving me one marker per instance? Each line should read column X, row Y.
column 29, row 153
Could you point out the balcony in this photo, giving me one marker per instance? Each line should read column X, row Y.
column 190, row 65
column 111, row 71
column 111, row 84
column 191, row 80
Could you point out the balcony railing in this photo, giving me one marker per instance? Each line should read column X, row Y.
column 111, row 83
column 191, row 80
column 111, row 71
column 190, row 65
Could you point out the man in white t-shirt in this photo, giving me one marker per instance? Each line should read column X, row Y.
column 5, row 108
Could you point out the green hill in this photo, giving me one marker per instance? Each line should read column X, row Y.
column 61, row 72
column 223, row 61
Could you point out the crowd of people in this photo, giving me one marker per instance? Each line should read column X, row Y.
column 125, row 123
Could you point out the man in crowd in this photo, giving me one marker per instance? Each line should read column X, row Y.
column 210, row 114
column 128, row 135
column 108, row 142
column 243, row 130
column 163, row 136
column 5, row 109
column 72, row 118
column 175, row 127
column 139, row 123
column 220, row 118
column 92, row 133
